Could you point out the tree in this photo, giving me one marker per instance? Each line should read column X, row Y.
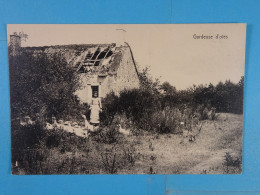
column 168, row 88
column 41, row 84
column 147, row 82
column 238, row 104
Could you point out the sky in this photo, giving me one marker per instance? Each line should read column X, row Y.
column 176, row 53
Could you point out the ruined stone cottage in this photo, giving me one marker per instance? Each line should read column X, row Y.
column 102, row 68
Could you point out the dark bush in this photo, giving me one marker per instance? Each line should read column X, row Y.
column 36, row 150
column 43, row 85
column 137, row 105
column 231, row 164
column 24, row 141
column 109, row 109
column 24, row 137
column 107, row 134
column 52, row 141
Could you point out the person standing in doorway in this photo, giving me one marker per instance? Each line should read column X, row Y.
column 95, row 108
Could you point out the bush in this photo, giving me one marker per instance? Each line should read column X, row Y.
column 137, row 105
column 166, row 120
column 109, row 109
column 24, row 137
column 149, row 109
column 231, row 164
column 35, row 150
column 119, row 155
column 107, row 134
column 142, row 110
column 110, row 161
column 130, row 155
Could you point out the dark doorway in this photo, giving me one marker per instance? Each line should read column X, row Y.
column 94, row 91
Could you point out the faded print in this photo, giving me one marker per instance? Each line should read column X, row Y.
column 127, row 99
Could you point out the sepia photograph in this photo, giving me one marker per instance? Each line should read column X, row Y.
column 126, row 98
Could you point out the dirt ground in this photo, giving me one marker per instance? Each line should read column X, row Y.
column 175, row 154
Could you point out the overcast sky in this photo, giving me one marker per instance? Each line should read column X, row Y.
column 169, row 49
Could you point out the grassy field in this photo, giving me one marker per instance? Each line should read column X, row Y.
column 174, row 154
column 216, row 149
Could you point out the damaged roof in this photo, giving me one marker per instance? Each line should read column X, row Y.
column 101, row 59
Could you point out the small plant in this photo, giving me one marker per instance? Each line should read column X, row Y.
column 151, row 171
column 153, row 158
column 166, row 120
column 107, row 135
column 52, row 141
column 204, row 171
column 230, row 163
column 109, row 161
column 151, row 146
column 130, row 155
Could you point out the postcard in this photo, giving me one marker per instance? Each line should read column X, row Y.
column 126, row 98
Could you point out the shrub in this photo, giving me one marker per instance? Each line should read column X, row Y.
column 130, row 155
column 109, row 160
column 110, row 109
column 37, row 151
column 117, row 156
column 52, row 141
column 137, row 105
column 107, row 134
column 24, row 137
column 230, row 163
column 166, row 120
column 162, row 112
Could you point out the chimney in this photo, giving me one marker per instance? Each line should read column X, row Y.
column 15, row 44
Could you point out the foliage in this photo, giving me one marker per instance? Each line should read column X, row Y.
column 107, row 134
column 161, row 108
column 24, row 137
column 42, row 84
column 36, row 150
column 147, row 83
column 110, row 108
column 130, row 154
column 138, row 105
column 143, row 110
column 111, row 158
column 225, row 97
column 166, row 120
column 167, row 88
column 230, row 163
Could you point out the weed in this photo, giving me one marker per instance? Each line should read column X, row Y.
column 109, row 160
column 231, row 162
column 151, row 146
column 130, row 155
column 151, row 171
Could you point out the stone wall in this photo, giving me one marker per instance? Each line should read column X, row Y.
column 125, row 77
column 85, row 92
